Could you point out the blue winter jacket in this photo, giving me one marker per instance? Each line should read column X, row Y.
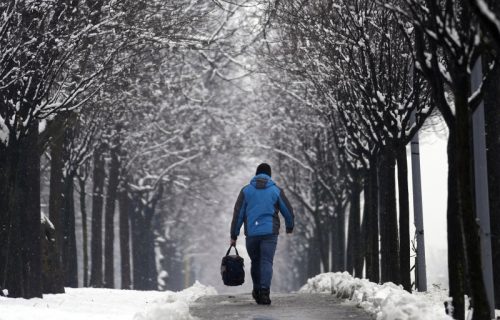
column 258, row 205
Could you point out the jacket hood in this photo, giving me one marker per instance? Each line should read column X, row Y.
column 262, row 181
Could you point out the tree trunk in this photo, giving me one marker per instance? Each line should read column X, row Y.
column 21, row 250
column 143, row 255
column 49, row 259
column 97, row 205
column 83, row 211
column 325, row 244
column 372, row 224
column 56, row 198
column 4, row 216
column 456, row 251
column 174, row 266
column 114, row 171
column 338, row 241
column 322, row 242
column 349, row 262
column 29, row 200
column 69, row 254
column 353, row 244
column 318, row 230
column 359, row 253
column 465, row 199
column 135, row 216
column 492, row 116
column 13, row 275
column 313, row 258
column 404, row 218
column 389, row 241
column 124, row 202
column 365, row 229
column 152, row 271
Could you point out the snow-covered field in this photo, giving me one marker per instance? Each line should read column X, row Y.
column 105, row 304
column 387, row 301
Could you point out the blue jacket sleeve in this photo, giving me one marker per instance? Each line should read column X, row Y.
column 287, row 211
column 238, row 215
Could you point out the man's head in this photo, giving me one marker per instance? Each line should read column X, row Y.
column 263, row 168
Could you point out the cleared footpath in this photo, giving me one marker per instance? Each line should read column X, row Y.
column 284, row 306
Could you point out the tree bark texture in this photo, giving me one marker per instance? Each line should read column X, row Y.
column 389, row 241
column 143, row 244
column 466, row 200
column 125, row 204
column 174, row 267
column 52, row 282
column 322, row 241
column 69, row 253
column 31, row 248
column 338, row 241
column 56, row 198
column 372, row 224
column 492, row 116
column 320, row 233
column 21, row 250
column 83, row 212
column 354, row 266
column 111, row 197
column 404, row 218
column 99, row 173
column 456, row 250
column 313, row 257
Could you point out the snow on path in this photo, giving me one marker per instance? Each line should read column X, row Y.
column 386, row 301
column 105, row 304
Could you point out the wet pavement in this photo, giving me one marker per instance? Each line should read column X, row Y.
column 284, row 306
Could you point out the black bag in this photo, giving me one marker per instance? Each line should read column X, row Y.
column 232, row 269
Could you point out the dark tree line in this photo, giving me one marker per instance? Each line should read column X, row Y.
column 103, row 104
column 371, row 73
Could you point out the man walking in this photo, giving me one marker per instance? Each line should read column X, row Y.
column 257, row 206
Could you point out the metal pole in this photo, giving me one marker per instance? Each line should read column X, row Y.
column 420, row 270
column 481, row 189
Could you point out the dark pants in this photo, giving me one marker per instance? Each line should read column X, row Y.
column 261, row 251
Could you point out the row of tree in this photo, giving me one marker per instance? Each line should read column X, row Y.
column 108, row 107
column 361, row 79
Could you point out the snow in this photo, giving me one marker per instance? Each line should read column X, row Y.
column 381, row 96
column 4, row 132
column 105, row 304
column 387, row 301
column 42, row 125
column 483, row 7
column 45, row 220
column 175, row 305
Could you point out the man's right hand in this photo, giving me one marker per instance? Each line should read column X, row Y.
column 233, row 242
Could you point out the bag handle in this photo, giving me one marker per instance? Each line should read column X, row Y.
column 229, row 250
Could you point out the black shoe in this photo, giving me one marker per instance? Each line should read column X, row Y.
column 264, row 296
column 255, row 295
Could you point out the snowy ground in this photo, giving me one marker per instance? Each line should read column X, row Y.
column 105, row 304
column 387, row 301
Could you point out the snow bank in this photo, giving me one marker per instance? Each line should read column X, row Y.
column 386, row 301
column 104, row 304
column 175, row 305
